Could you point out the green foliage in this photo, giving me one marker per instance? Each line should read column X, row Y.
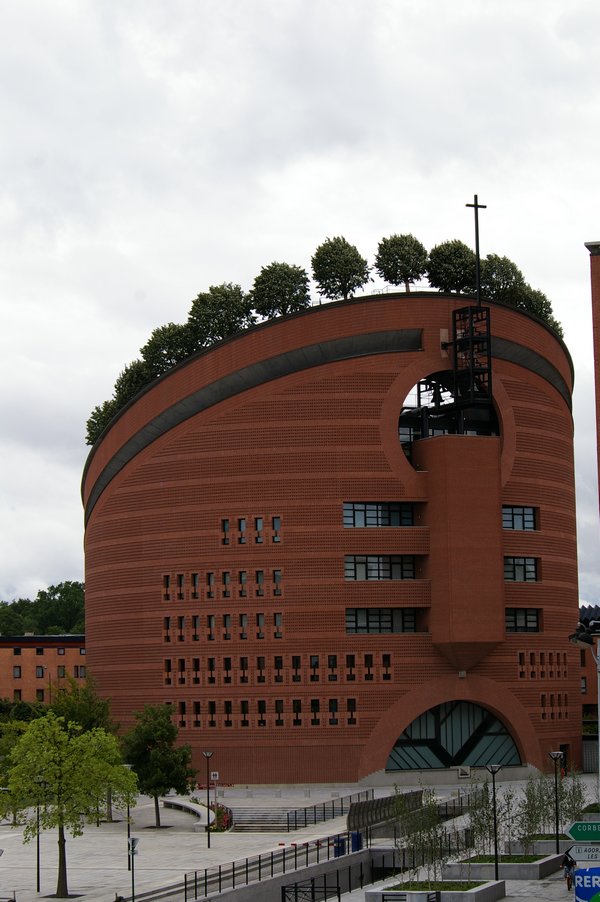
column 401, row 259
column 280, row 289
column 572, row 798
column 218, row 313
column 502, row 280
column 338, row 269
column 159, row 764
column 481, row 816
column 68, row 772
column 452, row 267
column 99, row 419
column 20, row 711
column 80, row 703
column 130, row 381
column 56, row 610
column 167, row 346
column 535, row 811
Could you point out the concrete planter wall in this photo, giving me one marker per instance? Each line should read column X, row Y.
column 539, row 847
column 487, row 892
column 534, row 870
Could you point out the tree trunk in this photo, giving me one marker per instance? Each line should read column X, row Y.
column 157, row 811
column 407, row 285
column 109, row 811
column 62, row 889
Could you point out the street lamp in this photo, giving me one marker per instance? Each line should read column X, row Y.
column 583, row 637
column 208, row 756
column 493, row 770
column 129, row 767
column 556, row 757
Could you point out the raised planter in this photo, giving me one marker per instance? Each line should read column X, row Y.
column 518, row 870
column 540, row 847
column 487, row 892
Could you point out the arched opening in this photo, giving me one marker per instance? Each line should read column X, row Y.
column 453, row 733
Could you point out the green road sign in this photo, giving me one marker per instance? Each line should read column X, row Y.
column 585, row 831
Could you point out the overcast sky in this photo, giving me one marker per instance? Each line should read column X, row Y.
column 150, row 149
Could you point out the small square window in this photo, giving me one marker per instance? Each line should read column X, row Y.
column 60, row 651
column 39, row 651
column 16, row 651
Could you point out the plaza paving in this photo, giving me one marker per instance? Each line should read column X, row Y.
column 97, row 861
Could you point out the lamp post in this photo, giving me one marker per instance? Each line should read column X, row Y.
column 493, row 770
column 583, row 637
column 208, row 756
column 556, row 757
column 129, row 767
column 41, row 784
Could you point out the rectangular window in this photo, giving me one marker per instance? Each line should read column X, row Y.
column 195, row 585
column 180, row 629
column 180, row 586
column 16, row 673
column 39, row 672
column 210, row 625
column 278, row 712
column 260, row 582
column 60, row 651
column 195, row 627
column 520, row 569
column 258, row 530
column 16, row 695
column 211, row 670
column 276, row 582
column 351, row 709
column 350, row 665
column 166, row 587
column 82, row 651
column 583, row 685
column 262, row 711
column 297, row 712
column 242, row 583
column 167, row 628
column 278, row 667
column 314, row 668
column 226, row 580
column 296, row 664
column 212, row 714
column 244, row 713
column 242, row 531
column 277, row 626
column 243, row 626
column 515, row 517
column 315, row 708
column 227, row 670
column 196, row 670
column 196, row 710
column 181, row 671
column 276, row 527
column 225, row 532
column 359, row 514
column 243, row 670
column 61, row 671
column 226, row 626
column 210, row 585
column 39, row 695
column 386, row 661
column 522, row 620
column 39, row 651
column 260, row 667
column 260, row 626
column 228, row 709
column 381, row 620
column 379, row 566
column 17, row 651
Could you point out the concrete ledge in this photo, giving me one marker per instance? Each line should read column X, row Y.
column 182, row 803
column 487, row 892
column 521, row 870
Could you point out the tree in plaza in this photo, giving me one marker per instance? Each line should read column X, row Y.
column 150, row 748
column 338, row 269
column 79, row 703
column 217, row 313
column 68, row 770
column 280, row 288
column 401, row 259
column 452, row 267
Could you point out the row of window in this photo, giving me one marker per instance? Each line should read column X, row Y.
column 40, row 672
column 40, row 651
column 543, row 665
column 359, row 514
column 245, row 534
column 279, row 712
column 402, row 566
column 554, row 706
column 223, row 626
column 226, row 584
column 288, row 668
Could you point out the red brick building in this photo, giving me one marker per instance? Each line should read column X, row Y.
column 32, row 666
column 344, row 541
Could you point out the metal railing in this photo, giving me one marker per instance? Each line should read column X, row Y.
column 324, row 811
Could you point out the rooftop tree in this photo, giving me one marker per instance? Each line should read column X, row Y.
column 217, row 313
column 167, row 346
column 452, row 267
column 279, row 289
column 338, row 269
column 401, row 260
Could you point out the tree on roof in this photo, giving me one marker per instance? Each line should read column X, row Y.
column 451, row 267
column 401, row 260
column 338, row 269
column 280, row 288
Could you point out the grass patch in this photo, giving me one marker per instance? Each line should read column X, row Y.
column 448, row 886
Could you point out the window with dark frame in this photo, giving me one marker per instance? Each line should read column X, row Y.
column 381, row 620
column 359, row 514
column 521, row 569
column 379, row 566
column 518, row 517
column 522, row 620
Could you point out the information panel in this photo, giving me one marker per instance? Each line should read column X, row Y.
column 587, row 885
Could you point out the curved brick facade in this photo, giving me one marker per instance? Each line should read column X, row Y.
column 220, row 576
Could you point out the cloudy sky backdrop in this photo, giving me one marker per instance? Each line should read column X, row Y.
column 151, row 148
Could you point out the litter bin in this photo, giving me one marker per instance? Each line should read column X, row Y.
column 356, row 841
column 339, row 846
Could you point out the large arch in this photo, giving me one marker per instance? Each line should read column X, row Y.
column 484, row 692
